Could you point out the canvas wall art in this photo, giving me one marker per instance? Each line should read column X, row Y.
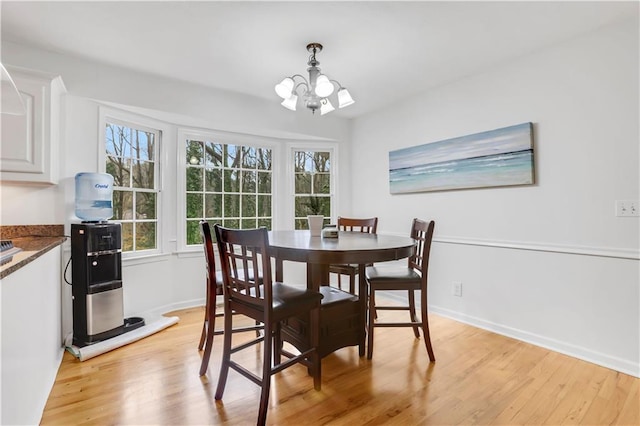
column 501, row 157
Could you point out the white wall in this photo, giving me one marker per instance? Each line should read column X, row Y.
column 547, row 263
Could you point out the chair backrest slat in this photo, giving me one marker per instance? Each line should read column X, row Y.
column 368, row 225
column 209, row 256
column 242, row 251
column 422, row 232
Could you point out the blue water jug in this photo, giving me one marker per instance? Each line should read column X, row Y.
column 94, row 193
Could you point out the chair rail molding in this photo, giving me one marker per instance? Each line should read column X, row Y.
column 619, row 253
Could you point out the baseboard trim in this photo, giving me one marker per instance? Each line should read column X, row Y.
column 604, row 360
column 163, row 310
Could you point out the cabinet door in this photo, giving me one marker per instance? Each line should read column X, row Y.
column 29, row 142
column 23, row 136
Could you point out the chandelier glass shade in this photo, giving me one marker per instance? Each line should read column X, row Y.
column 315, row 90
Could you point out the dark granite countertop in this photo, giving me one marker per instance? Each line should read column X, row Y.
column 34, row 240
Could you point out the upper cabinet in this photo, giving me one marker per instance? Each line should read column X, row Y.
column 30, row 142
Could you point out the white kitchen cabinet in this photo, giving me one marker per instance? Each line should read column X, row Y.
column 30, row 142
column 31, row 341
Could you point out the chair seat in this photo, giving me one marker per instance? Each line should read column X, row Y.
column 332, row 295
column 291, row 299
column 286, row 299
column 390, row 278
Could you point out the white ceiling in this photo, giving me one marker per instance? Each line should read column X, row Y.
column 380, row 51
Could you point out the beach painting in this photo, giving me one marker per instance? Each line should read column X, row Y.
column 501, row 157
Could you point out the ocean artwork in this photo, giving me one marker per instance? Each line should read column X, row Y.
column 501, row 157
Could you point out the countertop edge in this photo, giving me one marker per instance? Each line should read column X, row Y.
column 38, row 239
column 48, row 245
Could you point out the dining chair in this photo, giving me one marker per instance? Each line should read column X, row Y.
column 410, row 278
column 269, row 303
column 214, row 289
column 369, row 225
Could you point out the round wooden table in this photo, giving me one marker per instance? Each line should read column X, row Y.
column 350, row 247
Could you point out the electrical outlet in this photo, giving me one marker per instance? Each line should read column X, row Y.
column 457, row 288
column 627, row 208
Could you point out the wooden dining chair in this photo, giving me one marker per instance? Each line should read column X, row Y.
column 411, row 278
column 214, row 288
column 269, row 303
column 369, row 225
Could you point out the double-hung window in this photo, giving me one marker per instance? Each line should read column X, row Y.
column 132, row 159
column 226, row 183
column 312, row 177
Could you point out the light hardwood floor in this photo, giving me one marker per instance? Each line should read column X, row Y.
column 478, row 378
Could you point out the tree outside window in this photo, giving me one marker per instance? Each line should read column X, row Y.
column 312, row 186
column 131, row 160
column 227, row 184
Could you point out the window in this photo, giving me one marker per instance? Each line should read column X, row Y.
column 131, row 158
column 227, row 184
column 312, row 186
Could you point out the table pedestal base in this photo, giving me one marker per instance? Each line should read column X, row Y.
column 340, row 323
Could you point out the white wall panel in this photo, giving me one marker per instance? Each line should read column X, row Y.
column 582, row 97
column 585, row 306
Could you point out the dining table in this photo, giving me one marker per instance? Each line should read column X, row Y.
column 349, row 247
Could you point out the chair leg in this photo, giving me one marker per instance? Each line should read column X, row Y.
column 412, row 313
column 226, row 354
column 277, row 344
column 205, row 323
column 210, row 328
column 340, row 281
column 203, row 334
column 266, row 374
column 316, row 361
column 372, row 315
column 352, row 283
column 375, row 313
column 425, row 327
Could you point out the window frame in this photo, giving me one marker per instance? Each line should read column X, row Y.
column 138, row 122
column 224, row 138
column 332, row 148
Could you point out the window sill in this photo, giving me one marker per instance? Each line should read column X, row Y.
column 188, row 253
column 140, row 260
column 161, row 257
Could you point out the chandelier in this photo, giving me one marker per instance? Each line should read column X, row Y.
column 316, row 90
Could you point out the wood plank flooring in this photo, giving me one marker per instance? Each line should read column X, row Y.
column 479, row 378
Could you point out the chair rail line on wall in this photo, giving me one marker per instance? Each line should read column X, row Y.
column 618, row 253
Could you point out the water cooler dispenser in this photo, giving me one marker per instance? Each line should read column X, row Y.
column 98, row 311
column 96, row 254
